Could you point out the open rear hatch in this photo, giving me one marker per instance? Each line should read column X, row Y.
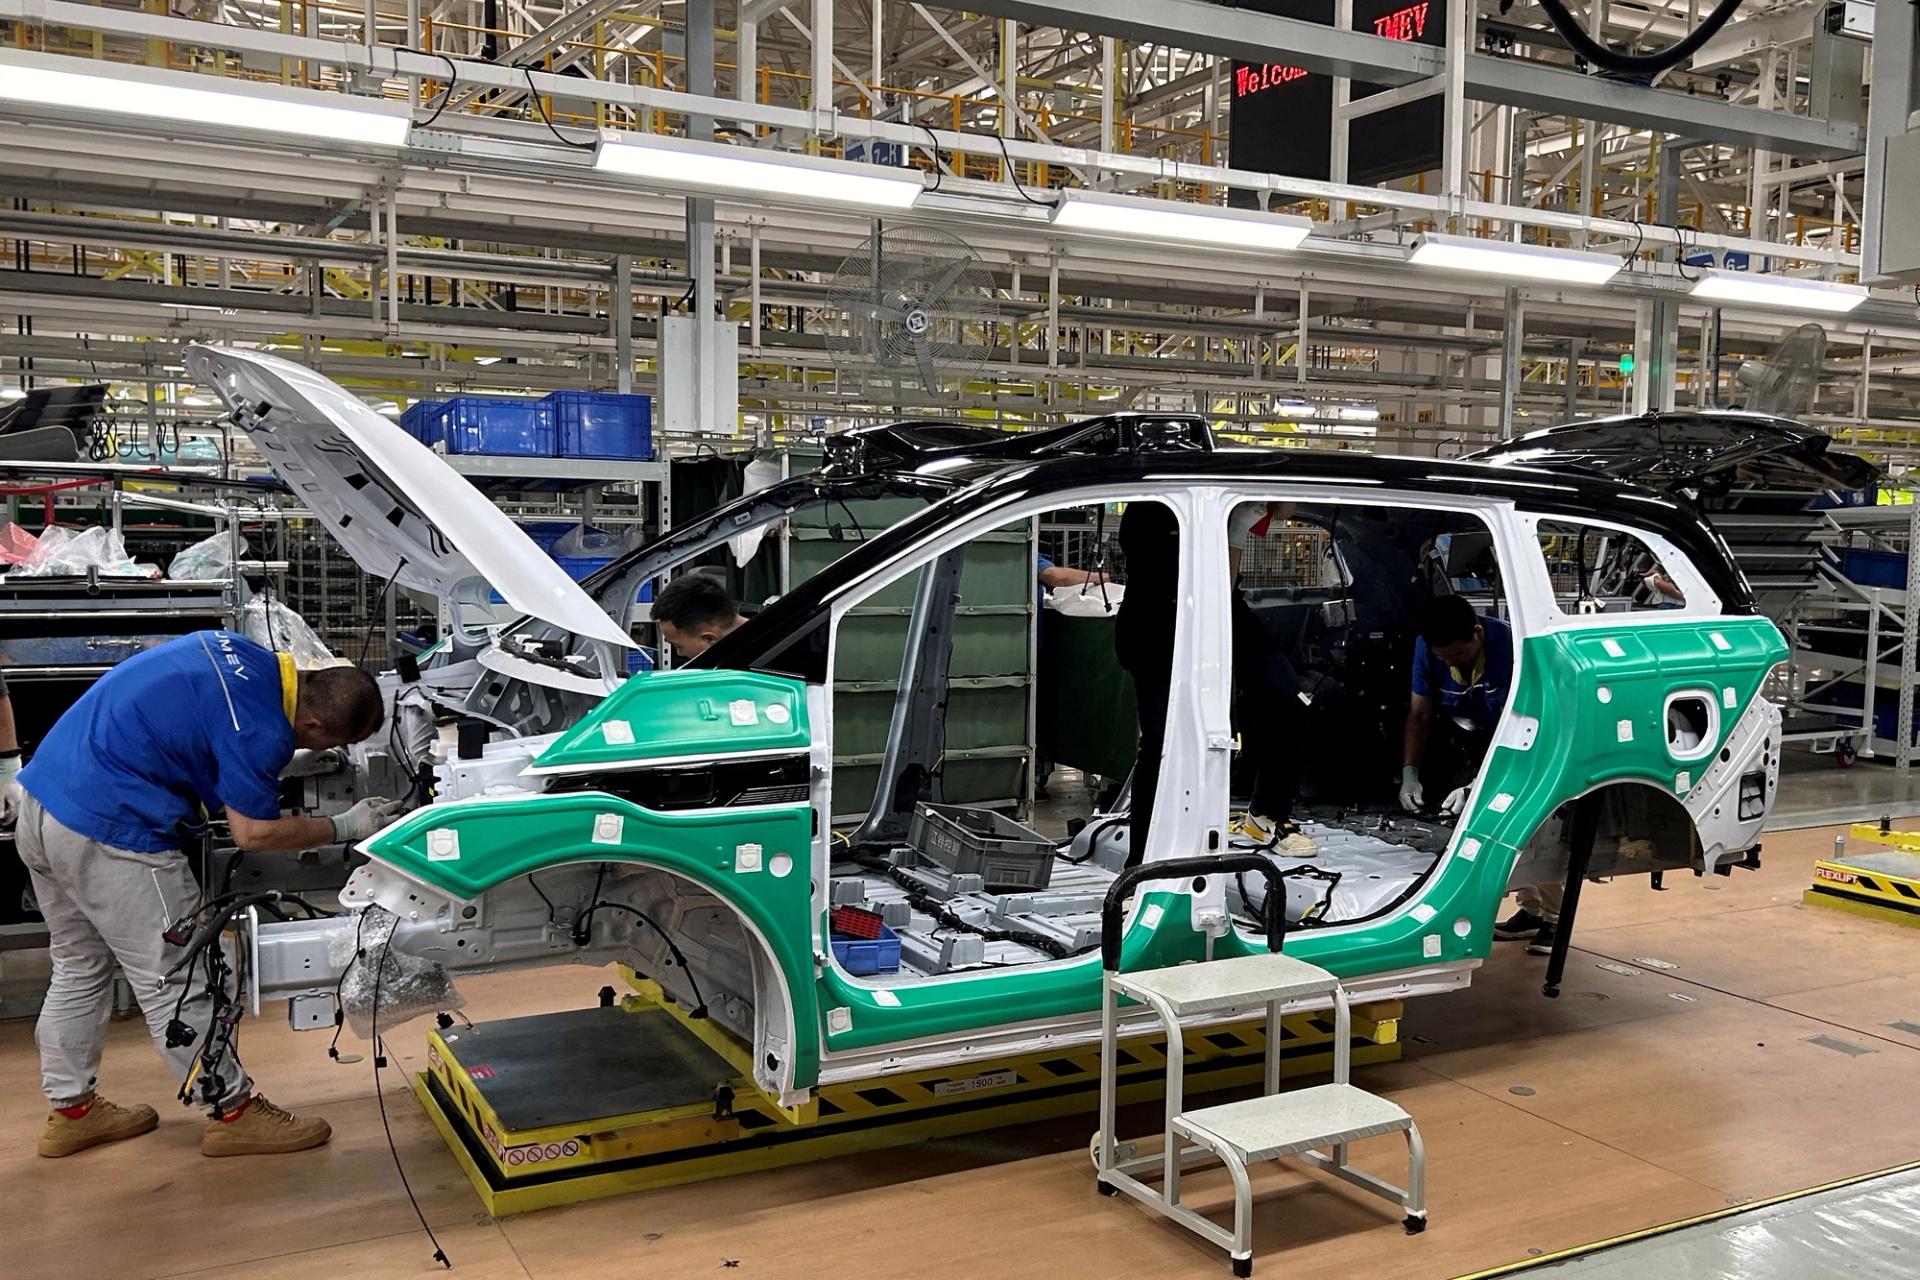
column 394, row 505
column 1695, row 453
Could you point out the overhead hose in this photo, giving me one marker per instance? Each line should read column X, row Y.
column 1634, row 64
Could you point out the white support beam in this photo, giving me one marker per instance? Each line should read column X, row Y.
column 974, row 65
column 1254, row 37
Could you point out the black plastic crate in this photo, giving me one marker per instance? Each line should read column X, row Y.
column 980, row 842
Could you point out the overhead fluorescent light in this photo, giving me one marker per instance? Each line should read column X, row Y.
column 1778, row 291
column 486, row 359
column 64, row 85
column 1294, row 409
column 681, row 163
column 13, row 393
column 1138, row 218
column 1359, row 413
column 1540, row 262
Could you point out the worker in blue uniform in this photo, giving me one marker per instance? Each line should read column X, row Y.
column 1463, row 667
column 201, row 725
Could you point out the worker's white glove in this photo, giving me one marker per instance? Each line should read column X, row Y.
column 311, row 764
column 10, row 792
column 1455, row 803
column 1413, row 796
column 365, row 818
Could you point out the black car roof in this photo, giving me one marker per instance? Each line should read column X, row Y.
column 1571, row 495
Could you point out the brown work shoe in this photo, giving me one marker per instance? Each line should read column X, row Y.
column 103, row 1122
column 263, row 1130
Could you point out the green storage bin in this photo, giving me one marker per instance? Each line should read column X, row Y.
column 982, row 713
column 988, row 642
column 1087, row 716
column 988, row 779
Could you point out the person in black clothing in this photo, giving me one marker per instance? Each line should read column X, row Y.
column 1269, row 715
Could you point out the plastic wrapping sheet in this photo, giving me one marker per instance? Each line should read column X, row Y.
column 761, row 473
column 208, row 560
column 69, row 553
column 16, row 543
column 1088, row 601
column 407, row 986
column 581, row 542
column 266, row 621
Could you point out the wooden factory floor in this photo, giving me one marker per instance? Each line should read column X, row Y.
column 1762, row 1063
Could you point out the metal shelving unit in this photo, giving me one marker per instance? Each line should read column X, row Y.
column 1842, row 633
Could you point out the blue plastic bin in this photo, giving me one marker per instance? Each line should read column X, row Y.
column 603, row 424
column 1870, row 568
column 492, row 425
column 546, row 533
column 420, row 420
column 861, row 956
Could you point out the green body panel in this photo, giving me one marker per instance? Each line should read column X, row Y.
column 686, row 713
column 499, row 841
column 1579, row 746
column 1561, row 675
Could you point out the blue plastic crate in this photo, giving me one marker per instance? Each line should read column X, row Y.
column 861, row 956
column 603, row 424
column 547, row 532
column 420, row 420
column 493, row 425
column 1870, row 568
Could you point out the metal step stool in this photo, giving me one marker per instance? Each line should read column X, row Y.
column 1237, row 1134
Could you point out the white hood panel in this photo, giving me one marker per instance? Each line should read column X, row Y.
column 393, row 504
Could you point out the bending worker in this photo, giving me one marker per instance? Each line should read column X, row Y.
column 202, row 723
column 1463, row 663
column 694, row 611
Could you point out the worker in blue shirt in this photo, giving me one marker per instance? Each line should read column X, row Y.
column 200, row 725
column 1463, row 663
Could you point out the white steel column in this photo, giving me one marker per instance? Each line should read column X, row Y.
column 1109, row 90
column 1455, row 123
column 700, row 237
column 746, row 56
column 1009, row 75
column 620, row 303
column 1338, row 160
column 822, row 58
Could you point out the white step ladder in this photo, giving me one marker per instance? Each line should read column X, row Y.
column 1270, row 1127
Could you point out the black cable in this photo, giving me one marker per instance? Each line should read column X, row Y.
column 453, row 82
column 379, row 603
column 939, row 175
column 1680, row 255
column 379, row 1060
column 548, row 119
column 1013, row 175
column 542, row 894
column 339, row 984
column 1648, row 65
column 852, row 518
column 673, row 949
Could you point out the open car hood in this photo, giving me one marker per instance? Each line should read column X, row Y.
column 394, row 505
column 1703, row 452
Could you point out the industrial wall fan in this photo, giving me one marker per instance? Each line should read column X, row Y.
column 1786, row 382
column 911, row 316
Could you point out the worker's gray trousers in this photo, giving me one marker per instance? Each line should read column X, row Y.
column 1542, row 899
column 103, row 905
